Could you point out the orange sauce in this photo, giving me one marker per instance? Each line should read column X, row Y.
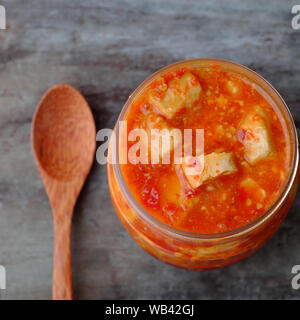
column 224, row 202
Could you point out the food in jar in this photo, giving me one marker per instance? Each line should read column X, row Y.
column 246, row 151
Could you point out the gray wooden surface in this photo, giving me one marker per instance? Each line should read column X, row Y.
column 105, row 49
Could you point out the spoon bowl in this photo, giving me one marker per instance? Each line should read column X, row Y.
column 63, row 140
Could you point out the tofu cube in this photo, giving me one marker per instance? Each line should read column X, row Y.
column 255, row 136
column 163, row 139
column 199, row 170
column 178, row 94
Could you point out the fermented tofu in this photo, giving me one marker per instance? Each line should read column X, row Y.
column 159, row 130
column 255, row 136
column 180, row 93
column 253, row 189
column 215, row 165
column 232, row 87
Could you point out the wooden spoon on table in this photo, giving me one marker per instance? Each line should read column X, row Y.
column 63, row 137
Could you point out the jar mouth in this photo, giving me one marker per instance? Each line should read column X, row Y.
column 150, row 219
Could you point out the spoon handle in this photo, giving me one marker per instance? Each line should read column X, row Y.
column 62, row 268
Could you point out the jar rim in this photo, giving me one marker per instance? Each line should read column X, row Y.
column 150, row 219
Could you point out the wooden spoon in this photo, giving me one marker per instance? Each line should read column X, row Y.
column 63, row 137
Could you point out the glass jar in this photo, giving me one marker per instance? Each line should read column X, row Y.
column 192, row 250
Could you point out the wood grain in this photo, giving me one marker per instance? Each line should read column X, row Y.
column 63, row 142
